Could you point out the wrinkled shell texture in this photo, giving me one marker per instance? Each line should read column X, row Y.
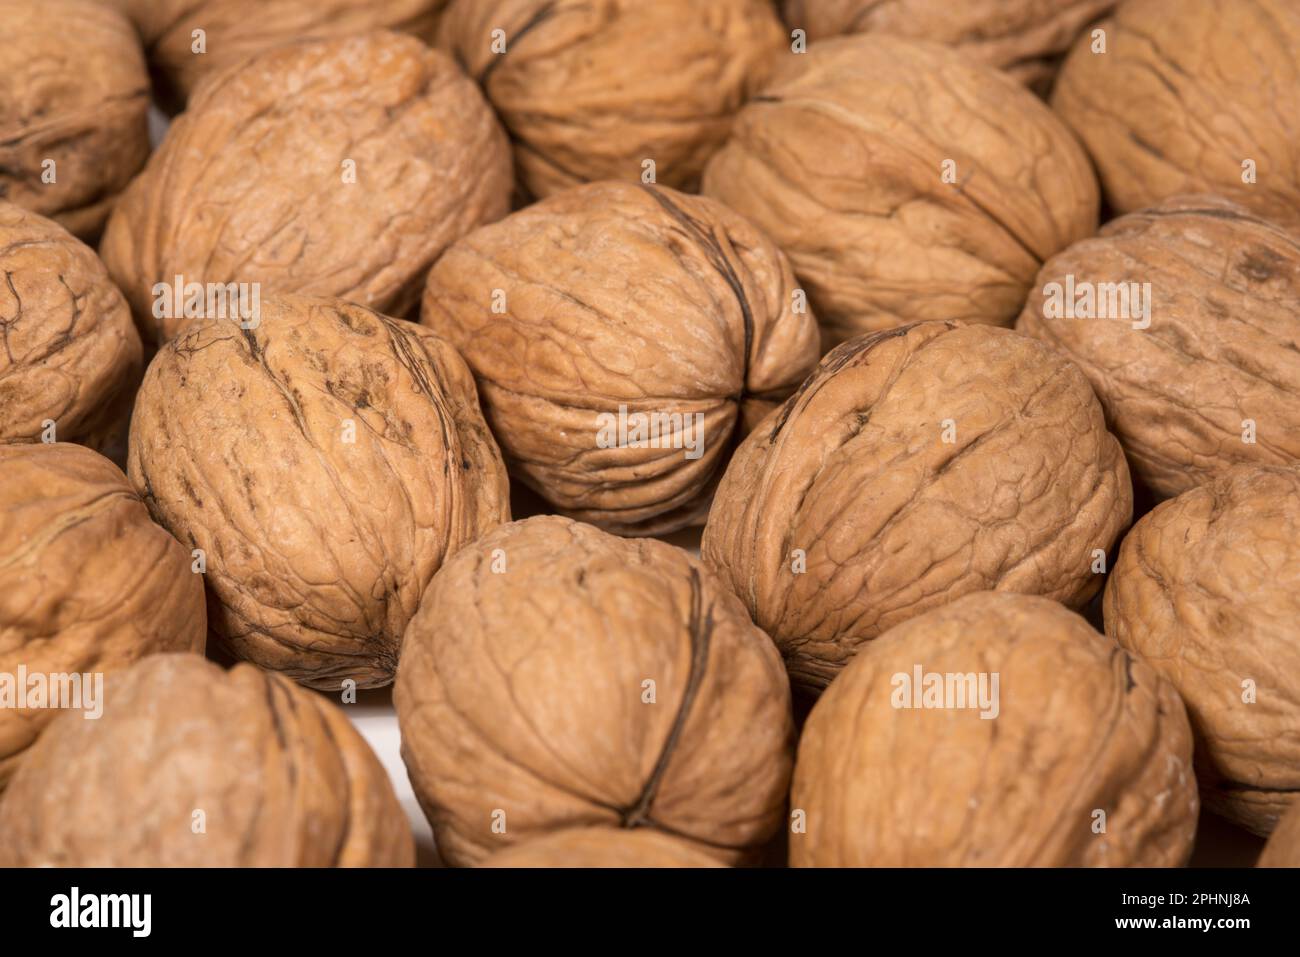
column 71, row 353
column 1283, row 848
column 235, row 29
column 270, row 203
column 1207, row 590
column 1023, row 37
column 288, row 784
column 590, row 90
column 68, row 602
column 1185, row 94
column 326, row 462
column 841, row 160
column 620, row 295
column 1221, row 349
column 74, row 90
column 1030, row 485
column 522, row 696
column 1081, row 727
column 603, row 847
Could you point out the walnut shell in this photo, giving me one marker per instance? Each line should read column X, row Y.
column 1024, row 37
column 326, row 462
column 557, row 676
column 1211, row 350
column 72, row 355
column 236, row 29
column 74, row 92
column 1283, row 847
column 843, row 161
column 623, row 297
column 1186, row 95
column 1075, row 727
column 970, row 458
column 273, row 205
column 592, row 90
column 166, row 778
column 603, row 847
column 88, row 584
column 1207, row 591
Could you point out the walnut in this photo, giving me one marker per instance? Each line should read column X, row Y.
column 1192, row 96
column 603, row 847
column 74, row 95
column 905, row 183
column 1026, row 38
column 88, row 584
column 557, row 676
column 997, row 731
column 325, row 462
column 1283, row 847
column 969, row 457
column 166, row 778
column 1185, row 319
column 623, row 336
column 1207, row 591
column 332, row 167
column 595, row 90
column 71, row 357
column 232, row 30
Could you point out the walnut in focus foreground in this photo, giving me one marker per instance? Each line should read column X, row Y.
column 998, row 731
column 1207, row 591
column 88, row 584
column 192, row 766
column 603, row 847
column 915, row 466
column 557, row 676
column 905, row 183
column 74, row 95
column 592, row 90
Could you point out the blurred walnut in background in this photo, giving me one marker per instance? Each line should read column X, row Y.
column 1024, row 37
column 591, row 89
column 330, row 167
column 276, row 776
column 234, row 29
column 1192, row 96
column 74, row 95
column 905, row 183
column 71, row 355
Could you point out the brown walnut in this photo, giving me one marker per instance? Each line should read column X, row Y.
column 612, row 301
column 1185, row 318
column 1283, row 847
column 1192, row 96
column 603, row 847
column 192, row 766
column 905, row 183
column 236, row 29
column 557, row 676
column 334, row 167
column 88, row 584
column 968, row 457
column 592, row 90
column 74, row 95
column 71, row 353
column 1207, row 591
column 1026, row 38
column 326, row 462
column 1084, row 758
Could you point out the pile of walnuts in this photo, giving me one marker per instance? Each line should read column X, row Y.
column 818, row 432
